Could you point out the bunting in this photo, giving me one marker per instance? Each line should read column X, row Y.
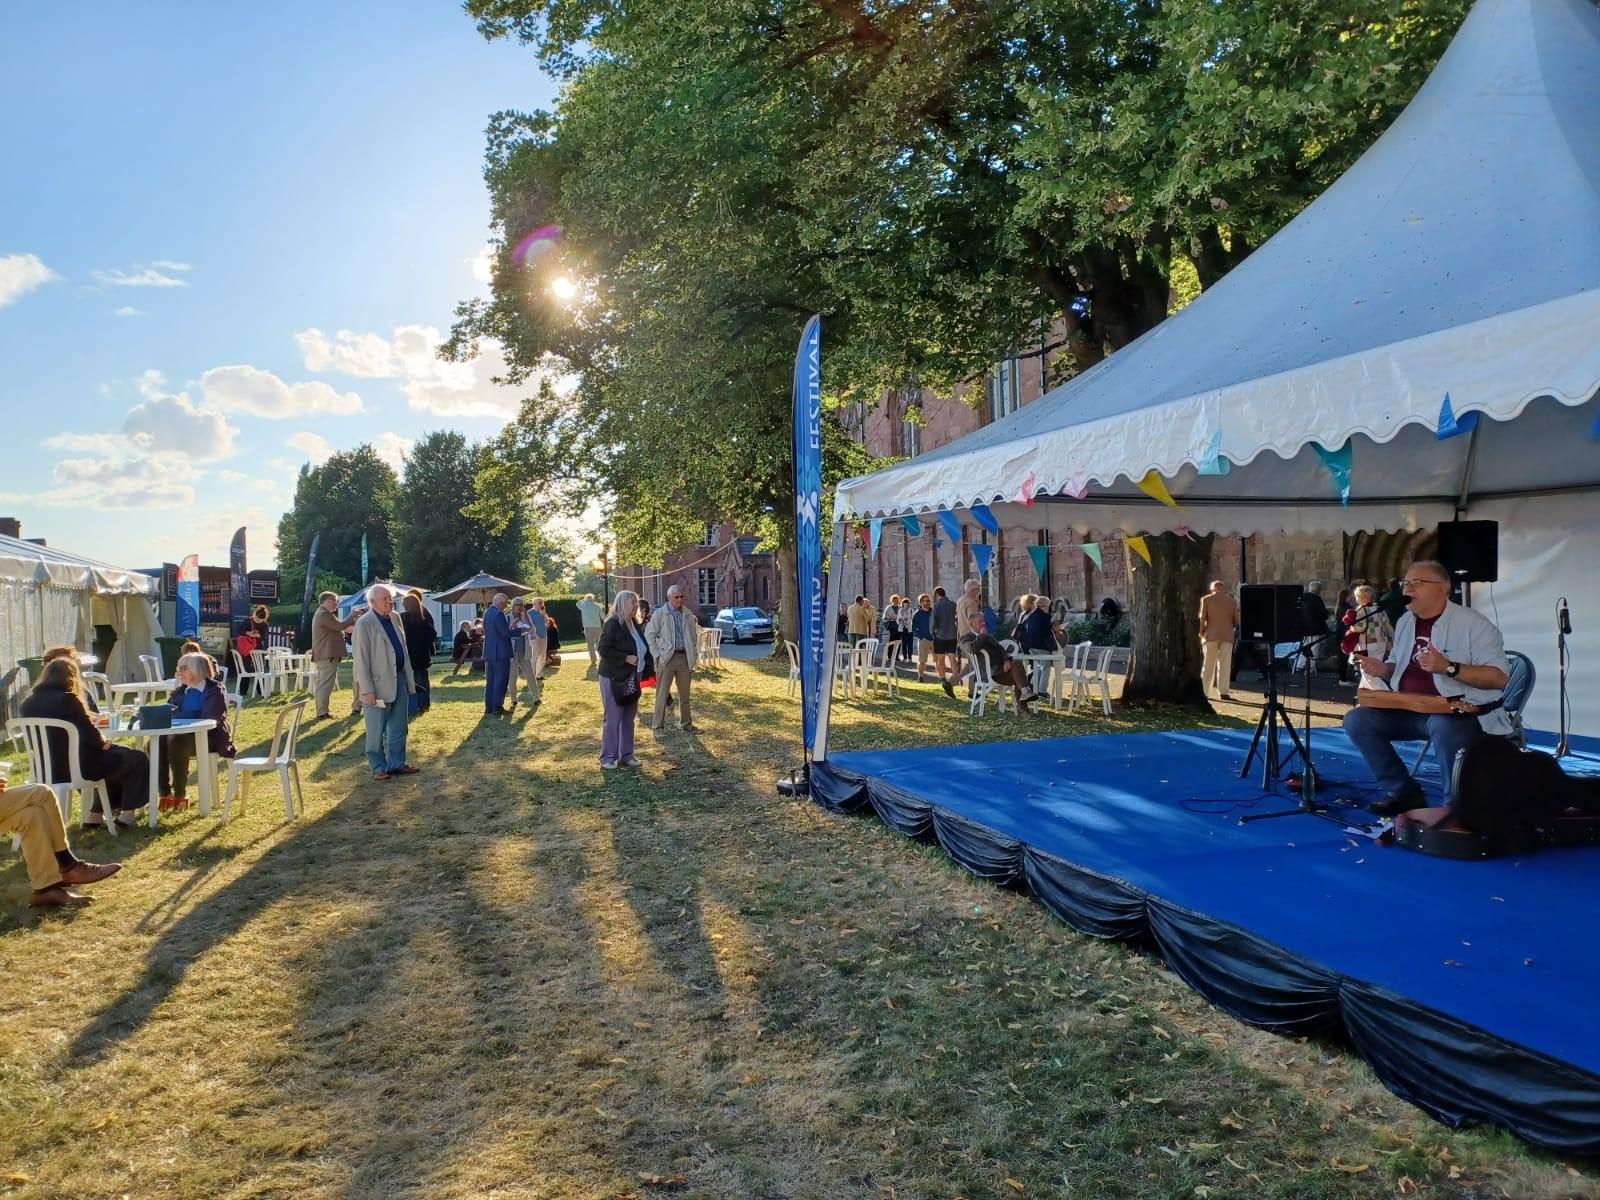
column 1092, row 549
column 874, row 534
column 1339, row 463
column 1212, row 462
column 983, row 555
column 983, row 516
column 951, row 523
column 1077, row 487
column 1155, row 487
column 1450, row 425
column 1041, row 561
column 1025, row 493
column 1139, row 547
column 913, row 526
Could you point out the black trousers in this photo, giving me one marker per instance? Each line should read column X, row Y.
column 127, row 776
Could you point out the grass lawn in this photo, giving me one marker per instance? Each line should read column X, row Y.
column 517, row 976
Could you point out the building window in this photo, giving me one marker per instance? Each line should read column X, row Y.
column 910, row 422
column 707, row 582
column 765, row 588
column 853, row 420
column 1004, row 386
column 709, row 538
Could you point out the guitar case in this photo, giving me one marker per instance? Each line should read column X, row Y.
column 1505, row 800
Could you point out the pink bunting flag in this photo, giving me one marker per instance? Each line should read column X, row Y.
column 1077, row 487
column 1024, row 494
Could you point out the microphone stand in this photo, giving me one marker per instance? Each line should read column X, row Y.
column 1563, row 627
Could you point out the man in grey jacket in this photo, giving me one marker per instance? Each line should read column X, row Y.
column 384, row 683
column 946, row 652
column 1440, row 649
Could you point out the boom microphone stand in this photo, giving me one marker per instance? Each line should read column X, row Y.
column 1309, row 805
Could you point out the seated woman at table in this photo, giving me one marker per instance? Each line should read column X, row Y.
column 460, row 646
column 198, row 698
column 71, row 652
column 1033, row 633
column 126, row 771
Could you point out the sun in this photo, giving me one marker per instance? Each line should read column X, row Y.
column 563, row 289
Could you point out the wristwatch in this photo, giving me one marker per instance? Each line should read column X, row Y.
column 1452, row 669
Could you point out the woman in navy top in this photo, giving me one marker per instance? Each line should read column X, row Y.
column 197, row 698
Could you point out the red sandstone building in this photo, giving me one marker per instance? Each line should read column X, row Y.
column 723, row 570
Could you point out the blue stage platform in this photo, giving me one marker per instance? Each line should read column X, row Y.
column 1472, row 988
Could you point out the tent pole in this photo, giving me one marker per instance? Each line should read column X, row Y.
column 1464, row 495
column 830, row 639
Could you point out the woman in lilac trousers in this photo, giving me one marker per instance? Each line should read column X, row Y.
column 623, row 655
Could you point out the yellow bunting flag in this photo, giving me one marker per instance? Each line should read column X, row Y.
column 1138, row 546
column 1155, row 487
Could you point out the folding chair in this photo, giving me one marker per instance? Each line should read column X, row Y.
column 1519, row 690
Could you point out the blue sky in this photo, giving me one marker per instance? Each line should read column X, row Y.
column 229, row 237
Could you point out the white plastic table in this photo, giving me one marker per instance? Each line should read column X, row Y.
column 118, row 731
column 1054, row 665
column 161, row 689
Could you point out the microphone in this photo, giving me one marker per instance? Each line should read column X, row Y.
column 1563, row 617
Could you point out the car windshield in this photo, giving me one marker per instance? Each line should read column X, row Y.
column 748, row 614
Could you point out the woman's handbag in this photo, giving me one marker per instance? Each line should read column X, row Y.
column 626, row 690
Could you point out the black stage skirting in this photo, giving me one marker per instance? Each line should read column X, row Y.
column 1472, row 988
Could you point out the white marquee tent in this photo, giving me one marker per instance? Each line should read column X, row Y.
column 52, row 597
column 1459, row 257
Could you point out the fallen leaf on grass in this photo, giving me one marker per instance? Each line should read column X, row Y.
column 1349, row 1168
column 1015, row 1185
column 1233, row 1121
column 1204, row 1146
column 650, row 1179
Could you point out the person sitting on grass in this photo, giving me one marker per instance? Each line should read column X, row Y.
column 198, row 697
column 1003, row 667
column 30, row 811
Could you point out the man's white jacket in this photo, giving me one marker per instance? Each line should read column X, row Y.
column 1462, row 635
column 658, row 635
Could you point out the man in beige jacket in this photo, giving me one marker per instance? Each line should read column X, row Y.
column 673, row 635
column 1219, row 623
column 327, row 650
column 384, row 683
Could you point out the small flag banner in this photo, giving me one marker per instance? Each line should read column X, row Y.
column 1139, row 547
column 1450, row 425
column 1339, row 463
column 951, row 523
column 811, row 638
column 1212, row 462
column 983, row 555
column 874, row 533
column 983, row 516
column 1041, row 560
column 913, row 526
column 1077, row 487
column 1155, row 487
column 1092, row 549
column 1025, row 493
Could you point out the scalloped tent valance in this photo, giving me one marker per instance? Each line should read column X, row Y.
column 1460, row 257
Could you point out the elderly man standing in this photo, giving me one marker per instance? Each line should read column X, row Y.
column 1440, row 649
column 594, row 619
column 327, row 650
column 1219, row 622
column 496, row 656
column 385, row 683
column 673, row 635
column 968, row 606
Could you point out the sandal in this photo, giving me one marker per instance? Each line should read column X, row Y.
column 407, row 769
column 380, row 775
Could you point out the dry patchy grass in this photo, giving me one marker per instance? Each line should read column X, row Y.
column 515, row 976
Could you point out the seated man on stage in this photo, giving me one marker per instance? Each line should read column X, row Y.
column 1441, row 650
column 1005, row 668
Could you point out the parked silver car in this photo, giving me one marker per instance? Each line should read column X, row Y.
column 743, row 624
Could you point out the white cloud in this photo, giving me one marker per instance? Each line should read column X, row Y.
column 20, row 274
column 128, row 310
column 393, row 448
column 175, row 424
column 313, row 445
column 210, row 530
column 159, row 274
column 446, row 389
column 365, row 355
column 252, row 390
column 481, row 265
column 166, row 264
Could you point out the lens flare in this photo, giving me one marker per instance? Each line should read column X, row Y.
column 563, row 289
column 537, row 244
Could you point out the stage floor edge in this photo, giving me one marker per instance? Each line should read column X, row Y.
column 1469, row 987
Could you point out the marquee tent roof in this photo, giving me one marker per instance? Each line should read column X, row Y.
column 25, row 562
column 1459, row 256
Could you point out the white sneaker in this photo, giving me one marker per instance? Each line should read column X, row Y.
column 607, row 765
column 630, row 761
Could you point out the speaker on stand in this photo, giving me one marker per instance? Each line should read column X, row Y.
column 1470, row 551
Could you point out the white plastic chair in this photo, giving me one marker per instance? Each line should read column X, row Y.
column 794, row 666
column 1099, row 678
column 245, row 678
column 984, row 686
column 711, row 645
column 878, row 663
column 152, row 668
column 279, row 758
column 35, row 734
column 235, row 711
column 1078, row 675
column 99, row 686
column 844, row 669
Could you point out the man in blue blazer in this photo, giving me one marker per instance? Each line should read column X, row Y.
column 496, row 656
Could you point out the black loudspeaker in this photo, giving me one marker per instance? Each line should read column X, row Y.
column 1471, row 550
column 1269, row 612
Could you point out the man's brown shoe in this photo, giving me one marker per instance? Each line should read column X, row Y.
column 83, row 873
column 57, row 897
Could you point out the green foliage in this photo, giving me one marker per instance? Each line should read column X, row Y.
column 437, row 543
column 354, row 492
column 1102, row 631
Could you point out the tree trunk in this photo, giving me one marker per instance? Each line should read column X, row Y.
column 1165, row 619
